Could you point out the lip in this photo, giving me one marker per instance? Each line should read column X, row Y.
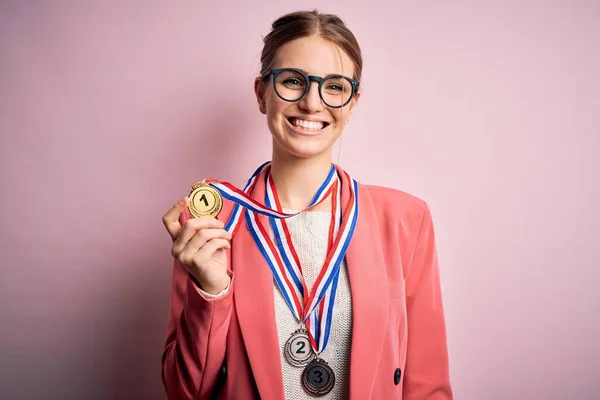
column 302, row 132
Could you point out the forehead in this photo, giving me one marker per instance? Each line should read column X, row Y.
column 315, row 56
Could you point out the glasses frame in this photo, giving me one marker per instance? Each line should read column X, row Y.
column 312, row 78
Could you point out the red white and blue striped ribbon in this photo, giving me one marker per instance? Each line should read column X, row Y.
column 283, row 259
column 317, row 321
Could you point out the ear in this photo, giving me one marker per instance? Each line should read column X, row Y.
column 259, row 90
column 354, row 102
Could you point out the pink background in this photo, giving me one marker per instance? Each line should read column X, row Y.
column 109, row 111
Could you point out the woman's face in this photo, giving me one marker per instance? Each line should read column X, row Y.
column 306, row 128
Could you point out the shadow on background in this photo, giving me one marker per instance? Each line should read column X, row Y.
column 207, row 148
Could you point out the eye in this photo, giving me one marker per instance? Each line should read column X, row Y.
column 335, row 87
column 293, row 82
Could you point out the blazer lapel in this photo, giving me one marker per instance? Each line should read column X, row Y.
column 254, row 302
column 366, row 272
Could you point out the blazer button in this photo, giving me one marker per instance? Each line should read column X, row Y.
column 397, row 375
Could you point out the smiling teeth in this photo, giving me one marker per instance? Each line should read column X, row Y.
column 308, row 125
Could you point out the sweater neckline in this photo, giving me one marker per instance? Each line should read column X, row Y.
column 290, row 211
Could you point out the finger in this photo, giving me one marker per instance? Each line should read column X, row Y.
column 199, row 240
column 192, row 226
column 171, row 218
column 203, row 236
column 210, row 248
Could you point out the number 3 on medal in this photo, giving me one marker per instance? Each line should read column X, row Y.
column 318, row 376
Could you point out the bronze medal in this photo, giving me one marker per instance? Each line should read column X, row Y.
column 298, row 351
column 318, row 378
column 205, row 200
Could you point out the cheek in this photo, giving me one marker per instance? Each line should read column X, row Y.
column 340, row 116
column 274, row 106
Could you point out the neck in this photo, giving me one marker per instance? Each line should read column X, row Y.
column 298, row 179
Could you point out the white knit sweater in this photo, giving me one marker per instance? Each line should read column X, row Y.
column 309, row 231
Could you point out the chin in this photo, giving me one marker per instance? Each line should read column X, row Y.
column 306, row 151
column 302, row 148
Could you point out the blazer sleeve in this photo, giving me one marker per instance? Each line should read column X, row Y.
column 197, row 326
column 426, row 374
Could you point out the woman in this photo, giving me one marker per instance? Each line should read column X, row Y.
column 318, row 285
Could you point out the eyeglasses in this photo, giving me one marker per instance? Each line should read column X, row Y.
column 291, row 85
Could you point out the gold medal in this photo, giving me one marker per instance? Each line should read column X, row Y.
column 205, row 200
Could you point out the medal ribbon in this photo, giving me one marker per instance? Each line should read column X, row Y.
column 243, row 200
column 283, row 259
column 291, row 260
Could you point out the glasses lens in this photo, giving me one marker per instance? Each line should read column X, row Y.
column 336, row 91
column 290, row 85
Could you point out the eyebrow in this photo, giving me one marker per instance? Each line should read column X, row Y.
column 306, row 72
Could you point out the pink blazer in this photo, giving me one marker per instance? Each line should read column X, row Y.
column 399, row 348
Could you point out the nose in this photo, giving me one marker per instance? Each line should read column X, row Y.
column 311, row 102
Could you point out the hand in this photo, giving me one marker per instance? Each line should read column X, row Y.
column 200, row 247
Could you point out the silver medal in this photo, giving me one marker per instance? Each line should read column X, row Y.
column 298, row 350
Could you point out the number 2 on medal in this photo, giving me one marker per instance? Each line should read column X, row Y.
column 301, row 346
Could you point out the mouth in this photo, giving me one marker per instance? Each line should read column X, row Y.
column 306, row 125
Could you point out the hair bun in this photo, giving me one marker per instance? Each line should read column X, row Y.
column 306, row 23
column 294, row 17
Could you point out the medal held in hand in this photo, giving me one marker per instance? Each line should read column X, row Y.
column 316, row 308
column 205, row 201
